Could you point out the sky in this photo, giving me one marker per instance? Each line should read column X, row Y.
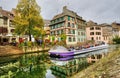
column 99, row 11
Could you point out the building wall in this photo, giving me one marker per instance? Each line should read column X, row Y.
column 81, row 35
column 116, row 29
column 94, row 34
column 6, row 27
column 102, row 33
column 107, row 33
column 47, row 29
column 71, row 30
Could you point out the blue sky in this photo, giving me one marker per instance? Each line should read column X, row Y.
column 100, row 11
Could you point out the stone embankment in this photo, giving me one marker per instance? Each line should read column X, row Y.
column 9, row 50
column 13, row 50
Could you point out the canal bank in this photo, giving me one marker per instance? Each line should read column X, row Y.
column 9, row 50
column 107, row 67
column 13, row 50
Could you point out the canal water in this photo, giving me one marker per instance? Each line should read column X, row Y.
column 40, row 65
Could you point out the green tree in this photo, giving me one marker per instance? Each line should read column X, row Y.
column 63, row 37
column 27, row 18
column 116, row 39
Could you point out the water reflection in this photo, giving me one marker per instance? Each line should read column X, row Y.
column 27, row 66
column 40, row 65
column 64, row 69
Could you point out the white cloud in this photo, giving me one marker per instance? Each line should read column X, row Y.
column 97, row 10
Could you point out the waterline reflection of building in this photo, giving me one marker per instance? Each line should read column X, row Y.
column 26, row 66
column 103, row 51
column 64, row 69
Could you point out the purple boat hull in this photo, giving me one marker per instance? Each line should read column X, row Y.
column 63, row 52
column 55, row 54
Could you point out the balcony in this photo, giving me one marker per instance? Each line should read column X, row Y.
column 57, row 22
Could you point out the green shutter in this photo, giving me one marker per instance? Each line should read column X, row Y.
column 68, row 18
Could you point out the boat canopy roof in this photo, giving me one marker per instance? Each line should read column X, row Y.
column 58, row 49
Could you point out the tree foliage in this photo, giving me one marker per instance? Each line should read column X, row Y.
column 27, row 18
column 63, row 37
column 116, row 39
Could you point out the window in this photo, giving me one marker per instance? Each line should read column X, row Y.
column 73, row 31
column 104, row 38
column 91, row 28
column 98, row 33
column 62, row 24
column 68, row 24
column 70, row 39
column 69, row 32
column 82, row 33
column 62, row 31
column 58, row 32
column 51, row 33
column 52, row 22
column 5, row 21
column 72, row 25
column 1, row 21
column 12, row 30
column 53, row 27
column 96, row 38
column 57, row 20
column 59, row 25
column 62, row 18
column 78, row 33
column 68, row 18
column 72, row 19
column 74, row 39
column 92, row 38
column 99, row 38
column 91, row 33
column 79, row 39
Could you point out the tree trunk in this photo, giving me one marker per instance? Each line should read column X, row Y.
column 30, row 37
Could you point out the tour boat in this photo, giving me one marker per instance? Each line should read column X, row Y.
column 60, row 51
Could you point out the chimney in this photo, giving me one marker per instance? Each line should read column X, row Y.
column 64, row 8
